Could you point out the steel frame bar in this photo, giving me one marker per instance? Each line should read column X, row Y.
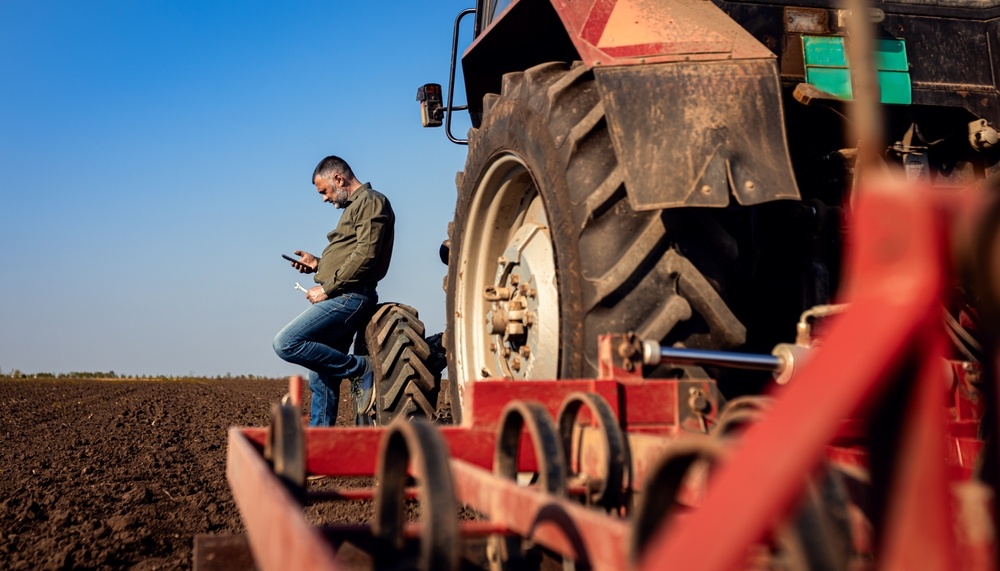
column 280, row 537
column 563, row 526
column 650, row 411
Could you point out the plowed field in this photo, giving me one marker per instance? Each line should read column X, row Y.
column 120, row 474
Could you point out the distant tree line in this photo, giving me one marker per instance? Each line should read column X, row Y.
column 18, row 374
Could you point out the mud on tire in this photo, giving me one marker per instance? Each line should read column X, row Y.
column 542, row 159
column 407, row 366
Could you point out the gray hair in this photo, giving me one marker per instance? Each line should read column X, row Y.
column 333, row 165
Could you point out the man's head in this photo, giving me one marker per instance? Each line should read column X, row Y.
column 335, row 180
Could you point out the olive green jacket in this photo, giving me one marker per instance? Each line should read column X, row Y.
column 360, row 246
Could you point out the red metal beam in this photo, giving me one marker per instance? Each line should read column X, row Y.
column 280, row 537
column 567, row 528
column 895, row 289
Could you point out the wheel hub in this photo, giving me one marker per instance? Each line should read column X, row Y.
column 517, row 341
column 506, row 301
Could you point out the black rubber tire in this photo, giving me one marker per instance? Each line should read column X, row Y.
column 618, row 269
column 407, row 367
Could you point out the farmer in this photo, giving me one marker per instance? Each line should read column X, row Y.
column 347, row 272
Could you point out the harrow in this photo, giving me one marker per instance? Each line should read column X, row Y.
column 864, row 456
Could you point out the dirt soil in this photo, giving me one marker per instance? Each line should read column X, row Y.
column 120, row 474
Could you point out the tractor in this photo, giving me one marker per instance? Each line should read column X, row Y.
column 678, row 169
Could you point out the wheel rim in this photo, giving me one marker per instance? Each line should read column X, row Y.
column 507, row 300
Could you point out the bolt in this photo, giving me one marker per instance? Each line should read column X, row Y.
column 700, row 404
column 749, row 185
column 515, row 364
column 706, row 189
column 496, row 322
column 515, row 279
column 525, row 351
column 506, row 352
column 523, row 288
column 697, row 401
column 532, row 292
column 493, row 347
column 501, row 260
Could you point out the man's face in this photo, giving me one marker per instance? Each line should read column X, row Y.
column 331, row 190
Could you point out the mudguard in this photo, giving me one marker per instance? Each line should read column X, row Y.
column 694, row 133
column 703, row 123
column 692, row 100
column 629, row 32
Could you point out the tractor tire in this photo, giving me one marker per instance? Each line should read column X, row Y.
column 407, row 368
column 546, row 253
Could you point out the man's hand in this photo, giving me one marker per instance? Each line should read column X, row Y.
column 307, row 263
column 316, row 294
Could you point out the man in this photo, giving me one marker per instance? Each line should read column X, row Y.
column 348, row 270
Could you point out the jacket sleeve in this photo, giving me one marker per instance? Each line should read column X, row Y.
column 370, row 224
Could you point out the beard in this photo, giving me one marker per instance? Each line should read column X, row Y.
column 340, row 198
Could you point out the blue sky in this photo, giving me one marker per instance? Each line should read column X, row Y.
column 155, row 161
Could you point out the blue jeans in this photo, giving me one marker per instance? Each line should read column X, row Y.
column 319, row 339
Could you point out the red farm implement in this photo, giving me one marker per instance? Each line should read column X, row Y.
column 862, row 459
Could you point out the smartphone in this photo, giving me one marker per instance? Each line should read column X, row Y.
column 290, row 259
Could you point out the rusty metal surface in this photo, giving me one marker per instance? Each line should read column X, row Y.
column 696, row 134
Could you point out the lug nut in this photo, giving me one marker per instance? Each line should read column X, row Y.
column 494, row 293
column 525, row 351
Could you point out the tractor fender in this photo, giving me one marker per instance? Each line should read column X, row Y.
column 696, row 133
column 693, row 101
column 636, row 32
